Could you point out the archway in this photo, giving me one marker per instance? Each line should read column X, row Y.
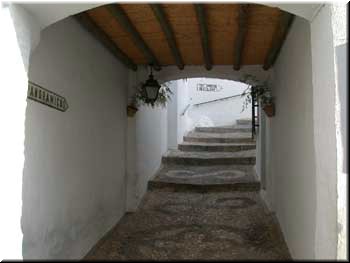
column 322, row 20
column 47, row 14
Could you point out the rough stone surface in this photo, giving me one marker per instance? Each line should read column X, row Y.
column 211, row 137
column 209, row 158
column 197, row 208
column 226, row 129
column 215, row 147
column 206, row 178
column 244, row 122
column 195, row 226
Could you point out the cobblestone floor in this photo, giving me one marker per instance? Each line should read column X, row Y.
column 211, row 155
column 206, row 175
column 172, row 225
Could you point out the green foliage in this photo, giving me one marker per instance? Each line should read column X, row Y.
column 164, row 96
column 256, row 89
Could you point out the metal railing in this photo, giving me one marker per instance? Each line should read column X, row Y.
column 255, row 115
column 210, row 101
column 206, row 102
column 186, row 109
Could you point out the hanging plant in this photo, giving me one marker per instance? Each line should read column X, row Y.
column 131, row 110
column 164, row 96
column 132, row 107
column 259, row 91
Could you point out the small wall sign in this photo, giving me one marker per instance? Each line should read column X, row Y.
column 46, row 97
column 208, row 87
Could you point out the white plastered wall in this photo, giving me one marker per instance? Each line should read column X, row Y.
column 291, row 166
column 147, row 142
column 177, row 107
column 301, row 147
column 323, row 79
column 340, row 42
column 184, row 115
column 74, row 173
column 20, row 34
column 151, row 144
column 220, row 112
column 184, row 122
column 172, row 117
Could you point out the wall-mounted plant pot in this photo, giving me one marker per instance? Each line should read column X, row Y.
column 269, row 109
column 131, row 111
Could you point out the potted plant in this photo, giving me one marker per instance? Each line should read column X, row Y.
column 139, row 99
column 131, row 109
column 260, row 92
column 164, row 96
column 267, row 103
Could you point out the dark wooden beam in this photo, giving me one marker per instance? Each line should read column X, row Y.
column 88, row 24
column 203, row 29
column 117, row 11
column 279, row 37
column 242, row 21
column 169, row 34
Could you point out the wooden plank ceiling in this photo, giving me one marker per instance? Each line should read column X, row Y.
column 189, row 34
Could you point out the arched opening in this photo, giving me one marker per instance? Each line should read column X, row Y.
column 93, row 144
column 187, row 111
column 207, row 102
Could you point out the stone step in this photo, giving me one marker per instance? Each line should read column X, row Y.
column 239, row 186
column 206, row 178
column 218, row 137
column 209, row 158
column 244, row 122
column 215, row 147
column 224, row 129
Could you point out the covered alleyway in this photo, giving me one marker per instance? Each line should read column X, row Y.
column 76, row 164
column 203, row 204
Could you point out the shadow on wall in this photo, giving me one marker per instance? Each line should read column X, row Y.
column 75, row 161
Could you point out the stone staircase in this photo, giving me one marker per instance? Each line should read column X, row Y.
column 211, row 158
column 203, row 204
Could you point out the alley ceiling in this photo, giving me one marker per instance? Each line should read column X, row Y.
column 189, row 34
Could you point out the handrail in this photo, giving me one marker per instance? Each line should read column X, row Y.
column 255, row 115
column 206, row 102
column 187, row 107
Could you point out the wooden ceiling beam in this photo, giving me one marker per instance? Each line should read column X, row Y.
column 88, row 24
column 279, row 37
column 203, row 29
column 117, row 11
column 242, row 21
column 169, row 33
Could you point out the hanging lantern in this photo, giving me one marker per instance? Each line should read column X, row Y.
column 150, row 89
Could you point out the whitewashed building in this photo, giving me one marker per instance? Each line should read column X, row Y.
column 68, row 177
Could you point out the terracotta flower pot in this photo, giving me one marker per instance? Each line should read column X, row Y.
column 269, row 109
column 131, row 110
